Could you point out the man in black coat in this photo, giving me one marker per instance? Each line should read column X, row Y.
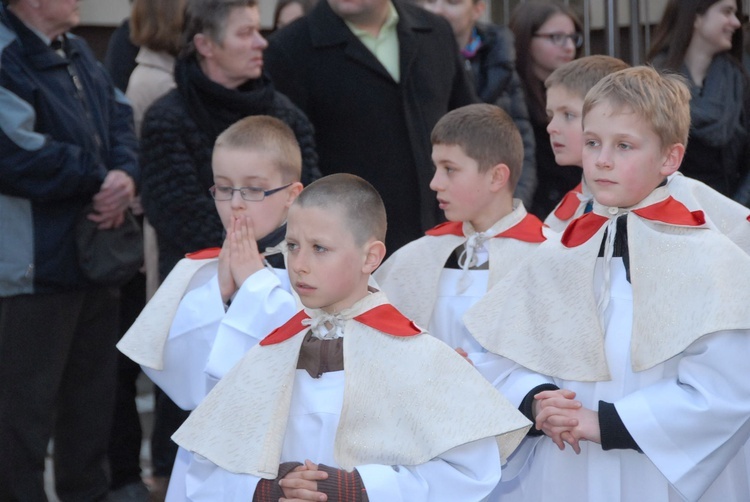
column 373, row 114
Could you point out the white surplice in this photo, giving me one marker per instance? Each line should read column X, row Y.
column 326, row 428
column 688, row 409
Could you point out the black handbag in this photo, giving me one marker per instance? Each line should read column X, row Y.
column 109, row 257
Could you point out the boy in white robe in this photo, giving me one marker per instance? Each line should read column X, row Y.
column 478, row 154
column 348, row 401
column 638, row 315
column 218, row 303
column 566, row 88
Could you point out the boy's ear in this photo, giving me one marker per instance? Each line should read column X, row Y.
column 375, row 252
column 672, row 159
column 294, row 192
column 499, row 176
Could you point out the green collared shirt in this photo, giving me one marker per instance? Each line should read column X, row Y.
column 385, row 45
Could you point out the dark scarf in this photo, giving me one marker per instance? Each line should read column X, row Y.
column 273, row 239
column 214, row 107
column 716, row 109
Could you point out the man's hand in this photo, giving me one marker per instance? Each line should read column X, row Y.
column 113, row 198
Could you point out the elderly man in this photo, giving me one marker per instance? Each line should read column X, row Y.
column 374, row 76
column 67, row 140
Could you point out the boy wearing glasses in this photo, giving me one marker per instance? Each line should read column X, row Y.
column 218, row 303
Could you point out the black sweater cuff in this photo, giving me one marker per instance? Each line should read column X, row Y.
column 614, row 434
column 527, row 405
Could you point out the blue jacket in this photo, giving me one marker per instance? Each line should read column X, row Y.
column 55, row 151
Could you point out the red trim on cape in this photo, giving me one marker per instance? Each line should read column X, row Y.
column 286, row 330
column 204, row 254
column 673, row 212
column 447, row 228
column 385, row 318
column 670, row 211
column 582, row 229
column 388, row 319
column 567, row 208
column 748, row 218
column 529, row 229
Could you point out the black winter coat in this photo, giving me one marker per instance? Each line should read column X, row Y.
column 496, row 81
column 365, row 122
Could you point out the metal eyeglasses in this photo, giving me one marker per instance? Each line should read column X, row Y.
column 250, row 194
column 559, row 39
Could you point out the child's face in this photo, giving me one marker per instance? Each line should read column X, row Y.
column 565, row 128
column 235, row 168
column 463, row 193
column 546, row 56
column 327, row 268
column 623, row 158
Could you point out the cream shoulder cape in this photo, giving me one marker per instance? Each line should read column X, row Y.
column 688, row 281
column 144, row 341
column 411, row 275
column 407, row 399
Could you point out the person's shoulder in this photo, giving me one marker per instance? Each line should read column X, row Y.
column 295, row 34
column 419, row 18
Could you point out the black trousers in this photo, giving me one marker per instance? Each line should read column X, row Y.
column 57, row 374
column 126, row 436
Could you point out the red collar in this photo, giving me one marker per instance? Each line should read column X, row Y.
column 204, row 254
column 669, row 211
column 569, row 204
column 383, row 318
column 528, row 229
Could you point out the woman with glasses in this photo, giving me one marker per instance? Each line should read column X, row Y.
column 548, row 35
column 702, row 40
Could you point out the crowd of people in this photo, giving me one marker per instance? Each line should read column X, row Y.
column 539, row 257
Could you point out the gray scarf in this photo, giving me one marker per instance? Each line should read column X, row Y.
column 715, row 110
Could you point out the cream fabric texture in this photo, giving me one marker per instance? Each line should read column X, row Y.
column 406, row 401
column 543, row 315
column 144, row 341
column 411, row 275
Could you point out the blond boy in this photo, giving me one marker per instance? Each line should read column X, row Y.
column 566, row 88
column 349, row 400
column 639, row 313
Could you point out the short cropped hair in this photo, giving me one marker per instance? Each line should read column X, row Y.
column 157, row 25
column 580, row 75
column 361, row 205
column 209, row 17
column 486, row 133
column 662, row 100
column 267, row 134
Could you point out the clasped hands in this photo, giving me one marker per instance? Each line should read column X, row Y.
column 239, row 257
column 564, row 419
column 301, row 484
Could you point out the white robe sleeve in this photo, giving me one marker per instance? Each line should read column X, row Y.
column 206, row 482
column 467, row 472
column 262, row 304
column 190, row 339
column 205, row 341
column 691, row 426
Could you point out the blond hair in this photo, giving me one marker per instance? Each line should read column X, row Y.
column 269, row 135
column 662, row 100
column 486, row 133
column 580, row 75
column 359, row 202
